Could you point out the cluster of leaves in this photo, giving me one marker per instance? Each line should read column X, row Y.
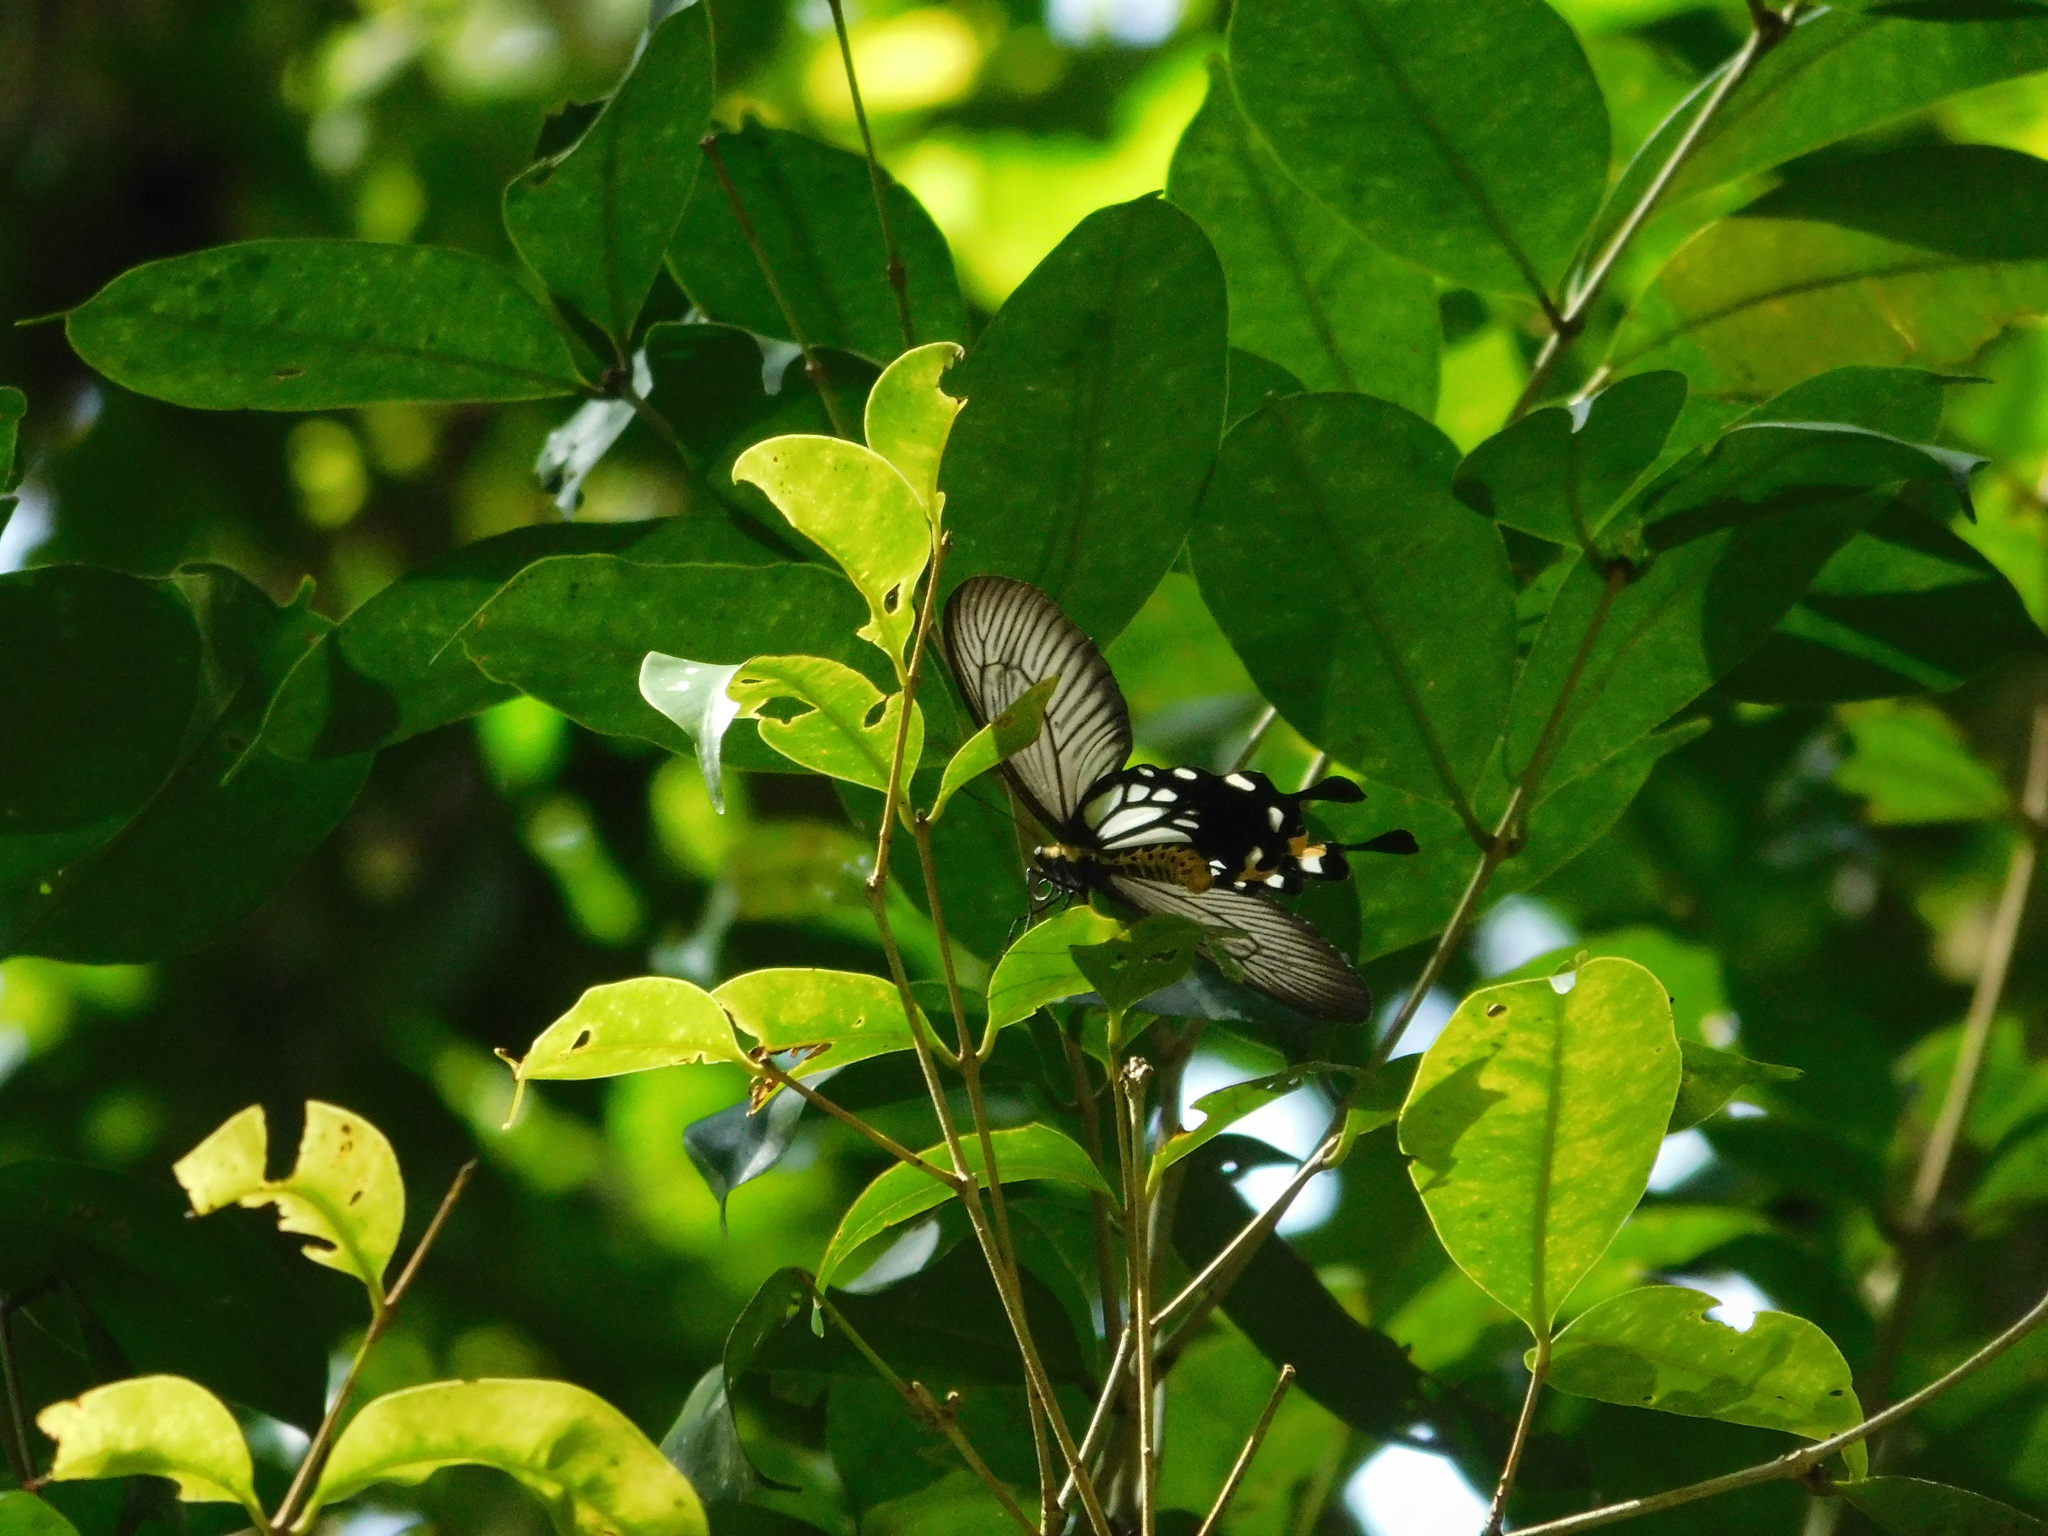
column 1745, row 503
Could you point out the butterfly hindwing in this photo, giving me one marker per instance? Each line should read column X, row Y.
column 1002, row 638
column 1280, row 954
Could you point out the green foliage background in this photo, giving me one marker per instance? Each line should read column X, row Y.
column 1808, row 867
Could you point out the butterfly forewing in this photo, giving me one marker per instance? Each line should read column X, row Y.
column 1004, row 636
column 1281, row 954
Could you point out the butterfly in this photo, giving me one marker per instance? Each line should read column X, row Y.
column 1205, row 846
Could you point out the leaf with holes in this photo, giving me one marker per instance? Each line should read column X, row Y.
column 345, row 1192
column 155, row 1426
column 630, row 1026
column 909, row 418
column 902, row 1192
column 860, row 510
column 1533, row 1123
column 1657, row 1348
column 846, row 729
column 1155, row 952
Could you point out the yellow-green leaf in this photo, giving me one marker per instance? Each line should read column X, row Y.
column 909, row 417
column 598, row 1475
column 1657, row 1348
column 156, row 1426
column 997, row 742
column 1533, row 1124
column 849, row 730
column 858, row 508
column 1039, row 968
column 837, row 1017
column 629, row 1026
column 899, row 1193
column 345, row 1191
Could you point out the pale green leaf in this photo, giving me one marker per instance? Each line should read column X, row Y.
column 833, row 1017
column 849, row 730
column 909, row 417
column 1039, row 968
column 598, row 1475
column 630, row 1026
column 997, row 742
column 1908, row 1506
column 155, row 1426
column 1533, row 1124
column 899, row 1193
column 857, row 507
column 345, row 1192
column 695, row 695
column 1657, row 1348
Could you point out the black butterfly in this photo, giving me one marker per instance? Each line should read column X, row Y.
column 1183, row 840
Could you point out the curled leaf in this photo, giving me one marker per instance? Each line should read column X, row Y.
column 155, row 1426
column 909, row 417
column 849, row 729
column 695, row 695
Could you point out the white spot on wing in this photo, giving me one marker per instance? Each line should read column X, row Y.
column 1274, row 817
column 1184, row 773
column 1239, row 781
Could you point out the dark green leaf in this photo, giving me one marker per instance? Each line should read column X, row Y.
column 1254, row 381
column 1417, row 124
column 1838, row 74
column 1917, row 255
column 102, row 679
column 704, row 1444
column 1557, row 472
column 1094, row 404
column 389, row 670
column 594, row 220
column 309, row 325
column 202, row 1299
column 1334, row 557
column 1305, row 289
column 152, row 881
column 1907, row 1506
column 572, row 632
column 1711, row 1078
column 13, row 406
column 814, row 209
column 23, row 1514
column 1156, row 952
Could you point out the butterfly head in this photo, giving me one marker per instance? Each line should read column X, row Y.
column 1064, row 866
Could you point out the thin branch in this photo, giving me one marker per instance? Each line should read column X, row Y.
column 19, row 1454
column 1794, row 1464
column 928, row 1411
column 1258, row 734
column 1091, row 1138
column 1098, row 1421
column 899, row 280
column 1131, row 1083
column 1244, row 1457
column 821, row 380
column 315, row 1459
column 847, row 1117
column 1520, row 1443
column 1770, row 28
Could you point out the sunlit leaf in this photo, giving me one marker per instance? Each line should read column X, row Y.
column 858, row 507
column 1039, row 968
column 1022, row 1152
column 1306, row 290
column 834, row 1018
column 594, row 220
column 695, row 695
column 1001, row 739
column 1559, row 471
column 1094, row 403
column 631, row 1026
column 1657, row 1348
column 1917, row 256
column 596, row 1473
column 1415, row 123
column 158, row 1426
column 1908, row 1506
column 1713, row 1077
column 814, row 209
column 345, row 1192
column 1533, row 1124
column 848, row 729
column 909, row 417
column 311, row 325
column 1333, row 555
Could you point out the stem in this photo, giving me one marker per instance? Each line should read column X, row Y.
column 1098, row 1421
column 847, row 1117
column 933, row 1414
column 1244, row 1457
column 1794, row 1464
column 1138, row 1262
column 1769, row 28
column 303, row 1480
column 19, row 1456
column 1258, row 734
column 813, row 366
column 1091, row 1138
column 899, row 280
column 1513, row 1464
